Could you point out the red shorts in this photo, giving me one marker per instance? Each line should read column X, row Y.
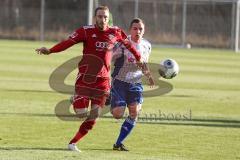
column 94, row 89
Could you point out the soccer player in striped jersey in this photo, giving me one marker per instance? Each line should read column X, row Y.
column 126, row 89
column 93, row 79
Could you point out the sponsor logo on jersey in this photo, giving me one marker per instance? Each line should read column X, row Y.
column 100, row 46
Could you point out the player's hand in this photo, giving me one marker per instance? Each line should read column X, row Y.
column 43, row 50
column 151, row 82
column 139, row 64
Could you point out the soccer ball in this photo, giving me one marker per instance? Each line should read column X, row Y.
column 168, row 68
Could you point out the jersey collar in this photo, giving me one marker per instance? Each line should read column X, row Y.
column 130, row 39
column 101, row 30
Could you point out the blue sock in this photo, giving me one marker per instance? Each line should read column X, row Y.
column 126, row 128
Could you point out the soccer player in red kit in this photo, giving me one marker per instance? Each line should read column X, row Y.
column 93, row 80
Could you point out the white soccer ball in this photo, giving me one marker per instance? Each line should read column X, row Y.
column 168, row 69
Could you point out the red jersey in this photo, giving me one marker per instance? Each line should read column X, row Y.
column 97, row 48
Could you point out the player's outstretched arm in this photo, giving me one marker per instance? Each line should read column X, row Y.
column 57, row 48
column 140, row 64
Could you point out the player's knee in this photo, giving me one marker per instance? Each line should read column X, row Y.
column 81, row 112
column 94, row 112
column 94, row 115
column 117, row 113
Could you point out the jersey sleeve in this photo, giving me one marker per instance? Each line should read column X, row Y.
column 78, row 36
column 62, row 46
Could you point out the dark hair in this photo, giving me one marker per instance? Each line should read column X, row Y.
column 101, row 8
column 136, row 20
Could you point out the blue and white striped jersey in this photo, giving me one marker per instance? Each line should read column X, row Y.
column 125, row 68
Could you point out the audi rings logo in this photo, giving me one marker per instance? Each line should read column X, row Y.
column 102, row 45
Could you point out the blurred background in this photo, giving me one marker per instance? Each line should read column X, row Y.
column 179, row 23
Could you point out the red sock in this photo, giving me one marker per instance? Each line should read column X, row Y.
column 83, row 130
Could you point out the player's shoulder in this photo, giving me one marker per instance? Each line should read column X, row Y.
column 114, row 27
column 85, row 28
column 88, row 27
column 146, row 42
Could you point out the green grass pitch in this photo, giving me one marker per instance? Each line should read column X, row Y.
column 208, row 87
